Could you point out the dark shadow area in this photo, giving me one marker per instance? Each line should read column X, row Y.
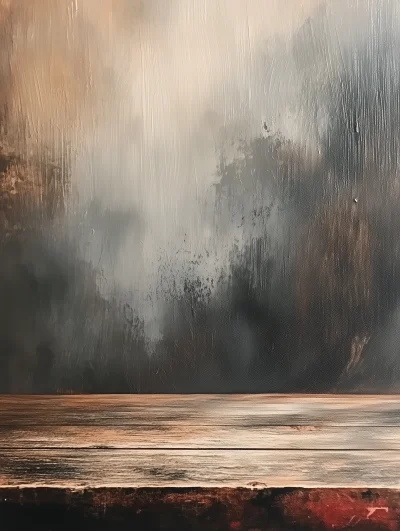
column 198, row 509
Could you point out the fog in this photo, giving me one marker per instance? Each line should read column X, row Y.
column 220, row 207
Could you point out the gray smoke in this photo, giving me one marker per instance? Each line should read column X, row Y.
column 210, row 239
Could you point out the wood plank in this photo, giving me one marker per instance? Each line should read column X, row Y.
column 78, row 468
column 188, row 436
column 238, row 410
column 200, row 441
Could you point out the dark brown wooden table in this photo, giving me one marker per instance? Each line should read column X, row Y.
column 200, row 462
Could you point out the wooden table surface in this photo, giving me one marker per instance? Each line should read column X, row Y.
column 254, row 441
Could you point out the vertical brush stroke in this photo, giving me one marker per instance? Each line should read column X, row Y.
column 199, row 195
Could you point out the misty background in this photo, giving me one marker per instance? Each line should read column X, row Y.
column 199, row 196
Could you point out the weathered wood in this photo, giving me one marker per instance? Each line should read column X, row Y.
column 228, row 410
column 200, row 441
column 183, row 435
column 81, row 468
column 200, row 462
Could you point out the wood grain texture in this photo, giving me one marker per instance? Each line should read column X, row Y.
column 189, row 436
column 255, row 441
column 77, row 468
column 245, row 410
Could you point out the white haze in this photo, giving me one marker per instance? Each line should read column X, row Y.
column 147, row 94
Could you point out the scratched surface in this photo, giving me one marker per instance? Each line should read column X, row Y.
column 207, row 441
column 202, row 462
column 199, row 196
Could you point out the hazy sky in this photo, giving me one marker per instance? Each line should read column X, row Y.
column 147, row 94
